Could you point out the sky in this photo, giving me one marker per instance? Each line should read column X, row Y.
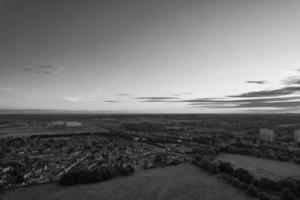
column 151, row 56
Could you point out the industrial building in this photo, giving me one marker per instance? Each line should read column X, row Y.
column 266, row 135
column 63, row 124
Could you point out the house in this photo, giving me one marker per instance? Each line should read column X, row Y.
column 55, row 124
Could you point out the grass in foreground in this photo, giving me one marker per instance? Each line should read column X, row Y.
column 183, row 182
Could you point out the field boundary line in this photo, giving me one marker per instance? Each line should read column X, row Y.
column 164, row 188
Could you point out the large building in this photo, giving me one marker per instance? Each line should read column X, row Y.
column 297, row 136
column 72, row 124
column 266, row 135
column 63, row 124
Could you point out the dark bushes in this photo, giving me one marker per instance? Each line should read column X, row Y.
column 92, row 176
column 292, row 184
column 213, row 167
column 257, row 187
column 263, row 196
column 89, row 176
column 204, row 163
column 106, row 173
column 243, row 175
column 226, row 167
column 266, row 184
column 252, row 190
column 70, row 178
column 286, row 194
column 126, row 171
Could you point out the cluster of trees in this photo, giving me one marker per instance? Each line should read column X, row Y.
column 81, row 176
column 210, row 151
column 162, row 159
column 261, row 151
column 288, row 188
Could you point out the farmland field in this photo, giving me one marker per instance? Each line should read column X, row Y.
column 263, row 167
column 177, row 182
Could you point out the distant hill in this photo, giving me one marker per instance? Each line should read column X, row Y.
column 50, row 111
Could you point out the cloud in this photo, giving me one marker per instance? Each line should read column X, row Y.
column 278, row 102
column 7, row 89
column 256, row 82
column 156, row 98
column 92, row 96
column 282, row 104
column 267, row 93
column 285, row 98
column 72, row 99
column 124, row 94
column 182, row 94
column 157, row 101
column 252, row 100
column 44, row 69
column 111, row 101
column 293, row 80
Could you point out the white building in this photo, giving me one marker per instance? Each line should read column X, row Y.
column 63, row 124
column 266, row 134
column 55, row 124
column 72, row 124
column 297, row 136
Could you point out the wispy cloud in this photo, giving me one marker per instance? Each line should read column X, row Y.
column 7, row 89
column 293, row 80
column 267, row 93
column 124, row 94
column 182, row 94
column 44, row 69
column 92, row 96
column 112, row 101
column 256, row 82
column 277, row 103
column 72, row 99
column 156, row 98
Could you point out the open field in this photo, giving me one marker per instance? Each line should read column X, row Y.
column 177, row 182
column 263, row 167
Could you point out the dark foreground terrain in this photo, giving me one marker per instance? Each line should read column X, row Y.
column 182, row 182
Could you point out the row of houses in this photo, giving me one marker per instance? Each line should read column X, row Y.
column 62, row 124
column 269, row 135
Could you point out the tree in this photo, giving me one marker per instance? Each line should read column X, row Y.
column 204, row 163
column 160, row 158
column 225, row 167
column 267, row 184
column 252, row 190
column 68, row 179
column 213, row 167
column 243, row 175
column 292, row 184
column 126, row 171
column 286, row 194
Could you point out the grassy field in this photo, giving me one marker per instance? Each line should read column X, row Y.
column 183, row 182
column 263, row 167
